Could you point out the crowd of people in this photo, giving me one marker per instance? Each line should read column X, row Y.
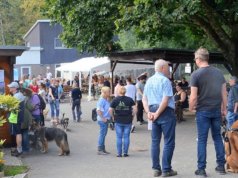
column 33, row 95
column 155, row 96
column 208, row 98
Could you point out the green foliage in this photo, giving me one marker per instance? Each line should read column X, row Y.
column 18, row 16
column 2, row 121
column 14, row 170
column 9, row 103
column 91, row 25
column 2, row 161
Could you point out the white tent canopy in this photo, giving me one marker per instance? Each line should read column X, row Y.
column 85, row 64
column 96, row 64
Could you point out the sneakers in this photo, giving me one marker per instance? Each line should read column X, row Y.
column 16, row 153
column 201, row 172
column 221, row 170
column 169, row 174
column 157, row 173
column 103, row 152
column 126, row 155
column 119, row 156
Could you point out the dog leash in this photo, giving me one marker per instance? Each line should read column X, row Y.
column 225, row 134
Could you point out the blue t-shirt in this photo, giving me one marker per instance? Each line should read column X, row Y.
column 232, row 98
column 157, row 87
column 103, row 105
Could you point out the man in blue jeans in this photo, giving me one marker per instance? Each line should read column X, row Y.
column 159, row 105
column 232, row 106
column 208, row 97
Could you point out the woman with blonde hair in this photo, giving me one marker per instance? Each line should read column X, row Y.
column 123, row 109
column 103, row 118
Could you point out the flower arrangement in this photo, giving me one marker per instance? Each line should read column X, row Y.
column 2, row 161
column 9, row 103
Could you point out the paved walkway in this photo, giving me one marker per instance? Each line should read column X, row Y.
column 85, row 163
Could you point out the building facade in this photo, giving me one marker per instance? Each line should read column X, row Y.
column 45, row 51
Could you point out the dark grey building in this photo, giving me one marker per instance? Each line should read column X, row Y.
column 46, row 51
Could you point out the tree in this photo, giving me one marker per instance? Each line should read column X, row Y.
column 92, row 24
column 17, row 17
column 32, row 10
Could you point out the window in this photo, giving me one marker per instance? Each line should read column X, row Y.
column 58, row 44
column 57, row 73
column 25, row 70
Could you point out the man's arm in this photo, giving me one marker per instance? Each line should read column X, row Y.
column 146, row 107
column 224, row 100
column 111, row 111
column 193, row 98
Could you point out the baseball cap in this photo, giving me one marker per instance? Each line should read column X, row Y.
column 13, row 85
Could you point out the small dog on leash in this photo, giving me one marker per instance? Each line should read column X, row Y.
column 64, row 122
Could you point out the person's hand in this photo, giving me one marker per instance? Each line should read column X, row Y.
column 150, row 116
column 104, row 120
column 155, row 116
column 224, row 112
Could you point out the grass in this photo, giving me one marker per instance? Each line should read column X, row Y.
column 14, row 170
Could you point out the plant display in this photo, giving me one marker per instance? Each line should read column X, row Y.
column 1, row 155
column 9, row 103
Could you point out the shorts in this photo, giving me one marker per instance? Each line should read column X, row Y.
column 15, row 129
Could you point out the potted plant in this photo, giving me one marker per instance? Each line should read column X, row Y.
column 8, row 104
column 1, row 159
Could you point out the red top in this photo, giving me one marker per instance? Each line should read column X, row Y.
column 34, row 88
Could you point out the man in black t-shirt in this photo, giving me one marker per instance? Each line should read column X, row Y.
column 123, row 110
column 209, row 99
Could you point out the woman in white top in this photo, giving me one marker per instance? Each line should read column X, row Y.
column 42, row 91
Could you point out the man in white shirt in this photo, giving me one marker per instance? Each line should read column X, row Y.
column 130, row 89
column 49, row 75
column 131, row 92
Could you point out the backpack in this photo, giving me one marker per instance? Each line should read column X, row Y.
column 94, row 114
column 42, row 102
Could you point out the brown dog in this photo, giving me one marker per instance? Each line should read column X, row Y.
column 46, row 134
column 231, row 148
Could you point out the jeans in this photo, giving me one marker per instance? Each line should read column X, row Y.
column 165, row 124
column 102, row 135
column 139, row 113
column 76, row 104
column 231, row 118
column 25, row 140
column 123, row 132
column 205, row 120
column 54, row 108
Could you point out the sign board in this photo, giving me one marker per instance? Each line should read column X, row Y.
column 188, row 69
